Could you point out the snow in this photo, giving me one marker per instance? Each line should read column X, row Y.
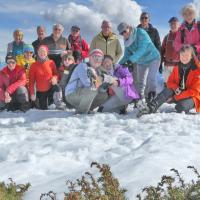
column 46, row 148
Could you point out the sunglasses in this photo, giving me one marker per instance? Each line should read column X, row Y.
column 97, row 58
column 11, row 62
column 122, row 33
column 75, row 30
column 144, row 17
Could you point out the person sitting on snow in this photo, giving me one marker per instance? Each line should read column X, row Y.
column 183, row 85
column 82, row 89
column 120, row 86
column 13, row 93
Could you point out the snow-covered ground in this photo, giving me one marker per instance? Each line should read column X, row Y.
column 46, row 148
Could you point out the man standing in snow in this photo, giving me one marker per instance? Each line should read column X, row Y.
column 108, row 42
column 41, row 32
column 57, row 44
column 13, row 93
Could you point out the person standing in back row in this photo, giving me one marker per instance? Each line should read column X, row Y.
column 57, row 44
column 152, row 31
column 189, row 31
column 169, row 56
column 41, row 32
column 107, row 41
column 78, row 44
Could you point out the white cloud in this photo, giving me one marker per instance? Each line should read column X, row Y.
column 197, row 5
column 89, row 18
column 17, row 7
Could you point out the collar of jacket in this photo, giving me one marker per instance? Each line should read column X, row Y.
column 150, row 26
column 57, row 39
column 184, row 25
column 111, row 36
column 195, row 64
column 131, row 38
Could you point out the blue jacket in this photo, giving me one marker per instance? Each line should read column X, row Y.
column 80, row 78
column 139, row 48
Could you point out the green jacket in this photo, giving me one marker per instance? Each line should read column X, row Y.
column 111, row 46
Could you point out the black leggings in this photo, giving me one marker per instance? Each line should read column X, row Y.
column 46, row 98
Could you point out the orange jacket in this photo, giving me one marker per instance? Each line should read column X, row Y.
column 192, row 85
column 41, row 74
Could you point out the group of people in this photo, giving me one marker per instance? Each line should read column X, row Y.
column 72, row 74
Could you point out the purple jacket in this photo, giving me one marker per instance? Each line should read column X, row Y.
column 126, row 81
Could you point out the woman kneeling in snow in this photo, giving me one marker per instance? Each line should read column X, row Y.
column 120, row 86
column 44, row 74
column 183, row 85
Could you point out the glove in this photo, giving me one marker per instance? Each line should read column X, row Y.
column 130, row 65
column 161, row 68
column 109, row 79
column 33, row 97
column 177, row 91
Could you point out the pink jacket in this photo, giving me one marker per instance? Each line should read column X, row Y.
column 191, row 37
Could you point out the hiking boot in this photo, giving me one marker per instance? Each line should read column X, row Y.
column 123, row 111
column 24, row 106
column 142, row 107
column 151, row 96
column 61, row 106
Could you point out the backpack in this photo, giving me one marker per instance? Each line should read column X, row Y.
column 183, row 32
column 71, row 69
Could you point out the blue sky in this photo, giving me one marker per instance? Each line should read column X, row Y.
column 27, row 14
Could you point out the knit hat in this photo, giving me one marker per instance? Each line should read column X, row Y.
column 10, row 56
column 67, row 55
column 173, row 19
column 96, row 52
column 122, row 27
column 44, row 47
column 29, row 48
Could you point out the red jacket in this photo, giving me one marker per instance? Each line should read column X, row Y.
column 192, row 85
column 191, row 37
column 41, row 74
column 79, row 44
column 11, row 80
column 170, row 56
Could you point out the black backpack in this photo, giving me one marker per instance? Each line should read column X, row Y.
column 183, row 32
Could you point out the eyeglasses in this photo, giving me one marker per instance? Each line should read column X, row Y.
column 11, row 62
column 97, row 58
column 144, row 17
column 122, row 33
